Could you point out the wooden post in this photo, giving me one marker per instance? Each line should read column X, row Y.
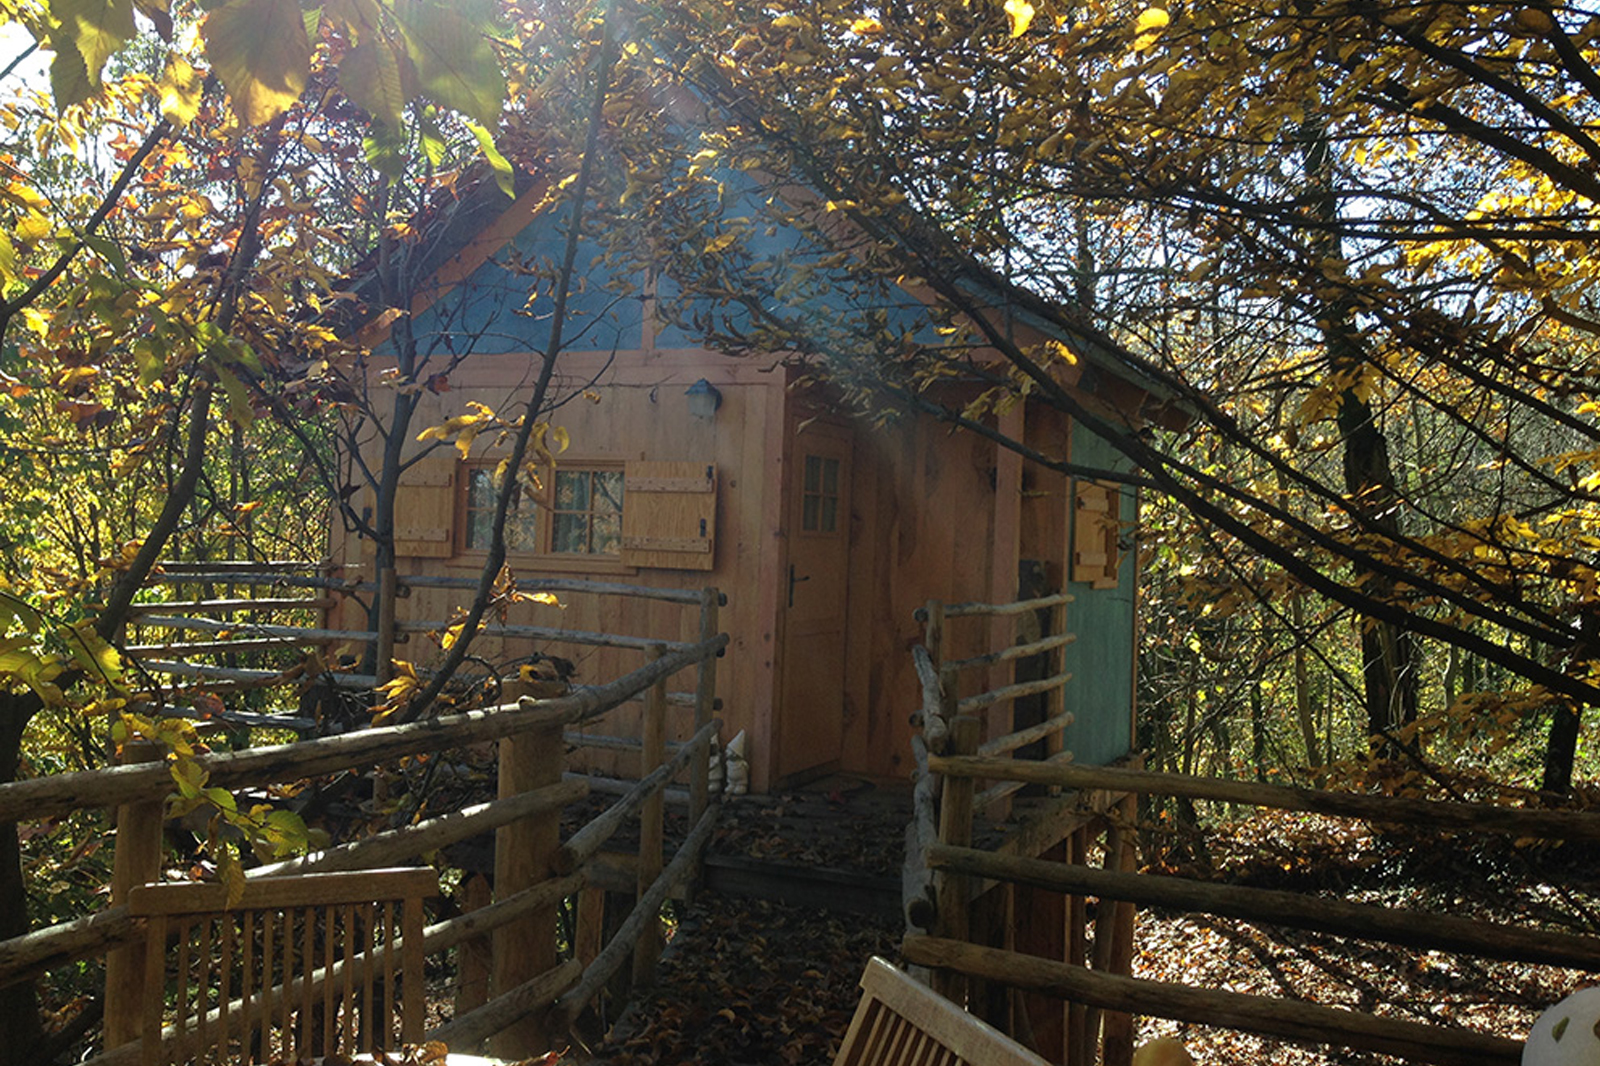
column 955, row 823
column 137, row 861
column 651, row 815
column 705, row 697
column 1055, row 701
column 933, row 633
column 1120, row 856
column 1077, row 1044
column 524, row 855
column 387, row 588
column 474, row 956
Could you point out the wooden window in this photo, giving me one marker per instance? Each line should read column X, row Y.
column 1096, row 533
column 819, row 496
column 522, row 523
column 586, row 512
column 575, row 509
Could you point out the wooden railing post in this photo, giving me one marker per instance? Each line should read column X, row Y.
column 651, row 816
column 524, row 855
column 705, row 698
column 955, row 828
column 388, row 590
column 1079, row 1050
column 1117, row 1048
column 136, row 862
column 1055, row 701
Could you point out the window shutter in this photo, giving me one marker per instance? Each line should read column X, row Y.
column 424, row 512
column 1096, row 518
column 669, row 515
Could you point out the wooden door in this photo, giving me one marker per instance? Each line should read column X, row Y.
column 815, row 580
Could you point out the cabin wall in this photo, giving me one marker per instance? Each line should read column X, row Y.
column 923, row 520
column 637, row 410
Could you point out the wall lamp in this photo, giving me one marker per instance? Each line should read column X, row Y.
column 704, row 399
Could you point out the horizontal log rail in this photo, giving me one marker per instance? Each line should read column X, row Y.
column 397, row 845
column 232, row 566
column 25, row 957
column 1023, row 737
column 1409, row 928
column 304, row 634
column 550, row 633
column 1303, row 1023
column 1015, row 651
column 45, row 797
column 272, row 578
column 175, row 653
column 245, row 677
column 966, row 610
column 687, row 597
column 968, row 704
column 1431, row 814
column 185, row 607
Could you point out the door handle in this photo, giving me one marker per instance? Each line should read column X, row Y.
column 793, row 581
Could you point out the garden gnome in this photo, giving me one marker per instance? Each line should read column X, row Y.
column 1164, row 1051
column 1567, row 1034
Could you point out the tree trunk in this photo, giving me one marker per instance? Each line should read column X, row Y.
column 19, row 1004
column 1561, row 750
column 1387, row 655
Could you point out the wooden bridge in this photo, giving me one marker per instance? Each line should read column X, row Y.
column 988, row 752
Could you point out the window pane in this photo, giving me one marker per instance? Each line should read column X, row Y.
column 522, row 529
column 480, row 488
column 830, row 477
column 607, row 492
column 570, row 533
column 808, row 514
column 607, row 534
column 478, row 529
column 572, row 490
column 813, row 473
column 830, row 514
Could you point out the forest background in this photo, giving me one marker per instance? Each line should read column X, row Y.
column 1352, row 241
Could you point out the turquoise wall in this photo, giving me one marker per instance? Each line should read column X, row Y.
column 1100, row 693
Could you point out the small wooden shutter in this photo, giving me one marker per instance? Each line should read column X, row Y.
column 424, row 510
column 1096, row 522
column 669, row 515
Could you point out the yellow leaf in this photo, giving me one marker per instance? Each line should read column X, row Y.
column 866, row 26
column 1021, row 14
column 1152, row 20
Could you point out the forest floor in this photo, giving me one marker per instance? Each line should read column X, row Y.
column 757, row 983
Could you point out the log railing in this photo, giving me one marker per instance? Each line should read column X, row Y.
column 942, row 677
column 1091, row 990
column 535, row 995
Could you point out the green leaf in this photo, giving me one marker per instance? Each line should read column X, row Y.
column 69, row 77
column 370, row 77
column 502, row 168
column 110, row 251
column 455, row 63
column 384, row 149
column 240, row 410
column 97, row 28
column 260, row 51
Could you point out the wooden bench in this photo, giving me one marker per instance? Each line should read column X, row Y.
column 899, row 1022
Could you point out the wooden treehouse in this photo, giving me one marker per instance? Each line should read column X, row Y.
column 726, row 552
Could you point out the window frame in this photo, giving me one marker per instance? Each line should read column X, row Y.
column 542, row 550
